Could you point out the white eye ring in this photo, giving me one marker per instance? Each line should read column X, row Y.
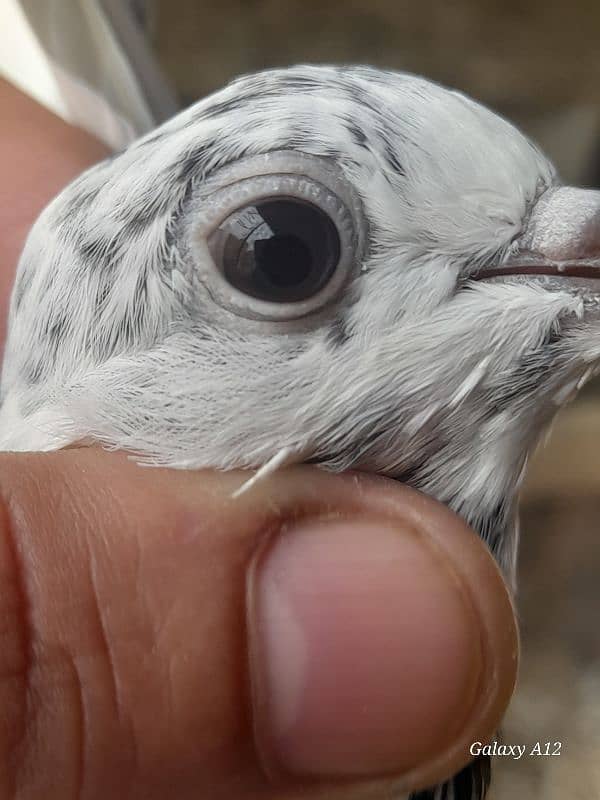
column 225, row 206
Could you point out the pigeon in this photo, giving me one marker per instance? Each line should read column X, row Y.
column 340, row 265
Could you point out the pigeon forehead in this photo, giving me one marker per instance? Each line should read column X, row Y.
column 367, row 118
column 425, row 161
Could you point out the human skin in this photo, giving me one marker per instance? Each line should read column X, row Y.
column 320, row 636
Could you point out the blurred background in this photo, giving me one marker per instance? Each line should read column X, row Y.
column 538, row 63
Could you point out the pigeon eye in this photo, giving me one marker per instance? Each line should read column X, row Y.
column 279, row 249
column 279, row 237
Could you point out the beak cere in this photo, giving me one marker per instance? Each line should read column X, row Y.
column 562, row 240
column 566, row 225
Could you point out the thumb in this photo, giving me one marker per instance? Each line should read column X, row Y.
column 161, row 639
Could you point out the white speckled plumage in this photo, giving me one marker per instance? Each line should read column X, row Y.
column 415, row 370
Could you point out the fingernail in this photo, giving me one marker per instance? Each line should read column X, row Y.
column 366, row 652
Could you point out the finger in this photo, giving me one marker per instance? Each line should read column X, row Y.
column 317, row 636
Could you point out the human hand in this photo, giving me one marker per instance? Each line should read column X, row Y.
column 161, row 640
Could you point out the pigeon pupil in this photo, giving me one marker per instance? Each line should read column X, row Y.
column 284, row 260
column 281, row 249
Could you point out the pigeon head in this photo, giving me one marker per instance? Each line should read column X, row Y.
column 347, row 266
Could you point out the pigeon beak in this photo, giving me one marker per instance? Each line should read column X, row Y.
column 561, row 242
